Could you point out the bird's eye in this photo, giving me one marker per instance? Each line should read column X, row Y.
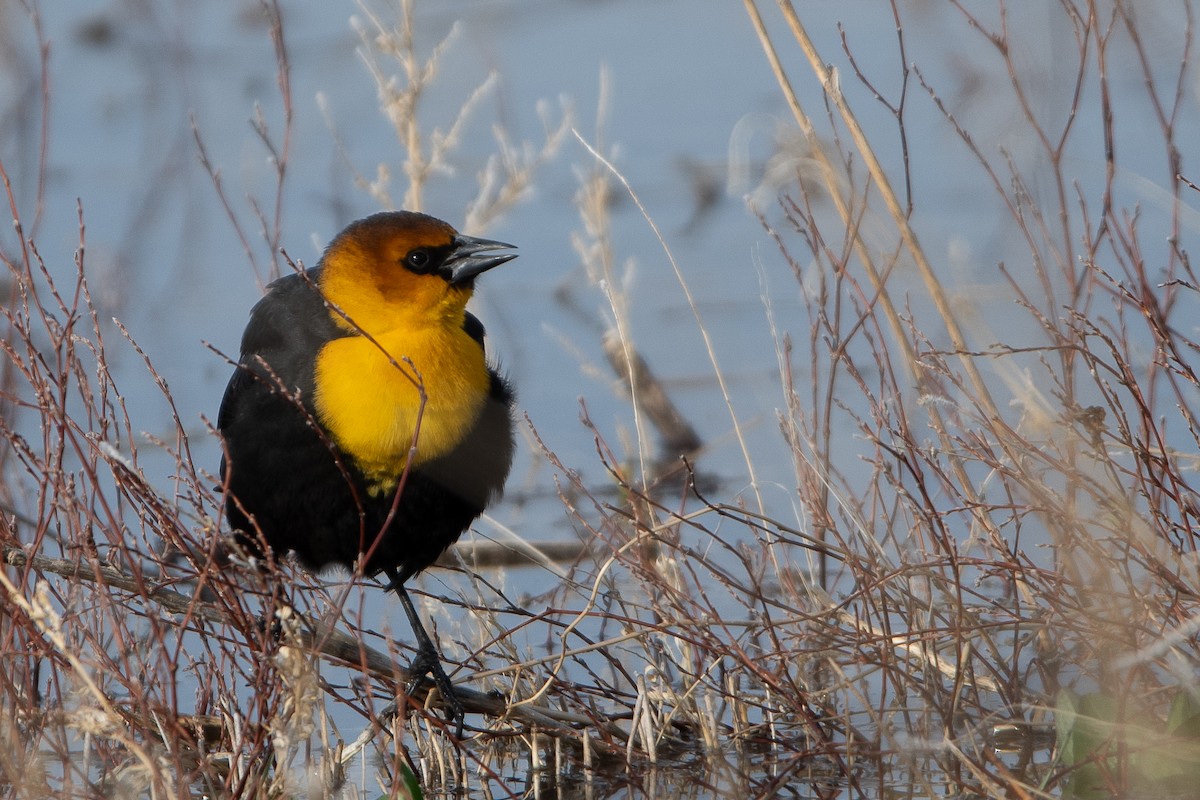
column 418, row 260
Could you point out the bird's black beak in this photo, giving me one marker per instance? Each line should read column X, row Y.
column 467, row 259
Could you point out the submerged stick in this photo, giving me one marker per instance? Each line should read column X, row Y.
column 679, row 438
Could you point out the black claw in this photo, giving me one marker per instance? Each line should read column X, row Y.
column 271, row 625
column 426, row 664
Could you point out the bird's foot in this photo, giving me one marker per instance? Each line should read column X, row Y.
column 426, row 664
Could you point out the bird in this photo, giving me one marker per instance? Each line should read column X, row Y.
column 364, row 426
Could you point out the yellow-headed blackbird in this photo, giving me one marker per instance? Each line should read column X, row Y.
column 363, row 424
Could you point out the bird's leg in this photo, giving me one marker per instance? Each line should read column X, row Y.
column 427, row 662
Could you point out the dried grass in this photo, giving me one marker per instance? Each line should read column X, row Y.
column 978, row 524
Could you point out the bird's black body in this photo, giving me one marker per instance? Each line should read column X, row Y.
column 344, row 367
column 304, row 494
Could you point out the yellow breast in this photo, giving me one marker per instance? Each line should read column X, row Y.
column 370, row 400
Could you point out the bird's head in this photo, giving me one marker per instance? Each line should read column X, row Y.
column 403, row 268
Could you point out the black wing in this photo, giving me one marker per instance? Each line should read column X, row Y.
column 266, row 412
